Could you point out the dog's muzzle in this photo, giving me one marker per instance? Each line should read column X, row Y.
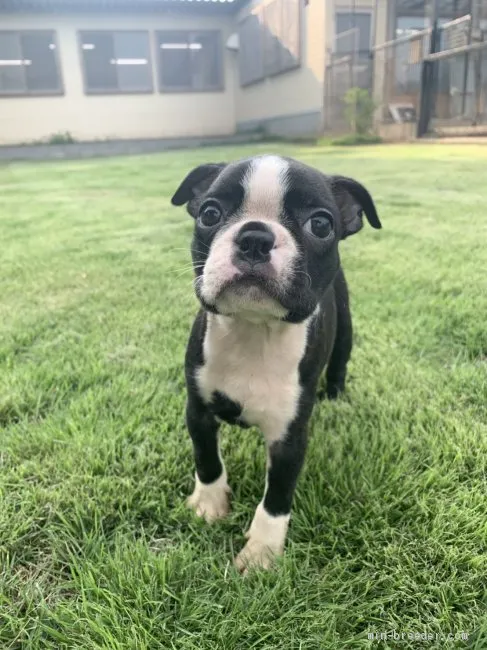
column 250, row 263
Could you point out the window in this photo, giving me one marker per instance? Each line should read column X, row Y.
column 29, row 63
column 270, row 41
column 116, row 62
column 407, row 25
column 189, row 61
column 348, row 40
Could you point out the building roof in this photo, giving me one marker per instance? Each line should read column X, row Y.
column 203, row 6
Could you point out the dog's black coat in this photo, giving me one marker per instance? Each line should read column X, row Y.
column 320, row 282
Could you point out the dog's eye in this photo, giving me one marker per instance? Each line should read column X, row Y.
column 320, row 225
column 210, row 216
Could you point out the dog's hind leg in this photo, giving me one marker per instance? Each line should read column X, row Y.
column 337, row 366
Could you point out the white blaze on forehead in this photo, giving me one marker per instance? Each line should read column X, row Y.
column 265, row 186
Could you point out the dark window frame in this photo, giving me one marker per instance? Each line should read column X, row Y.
column 55, row 92
column 116, row 91
column 342, row 11
column 262, row 12
column 171, row 90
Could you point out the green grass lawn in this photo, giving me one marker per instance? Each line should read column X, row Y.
column 389, row 527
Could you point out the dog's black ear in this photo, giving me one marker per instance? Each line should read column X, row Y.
column 196, row 183
column 353, row 200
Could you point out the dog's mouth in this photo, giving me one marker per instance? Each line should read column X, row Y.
column 249, row 285
column 250, row 292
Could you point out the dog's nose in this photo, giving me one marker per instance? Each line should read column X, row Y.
column 255, row 241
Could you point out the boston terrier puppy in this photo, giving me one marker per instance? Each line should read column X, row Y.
column 274, row 313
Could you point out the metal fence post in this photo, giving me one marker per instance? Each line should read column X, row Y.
column 428, row 75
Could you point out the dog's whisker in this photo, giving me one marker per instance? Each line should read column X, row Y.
column 200, row 243
column 191, row 265
column 186, row 268
column 180, row 275
column 183, row 272
column 190, row 270
column 181, row 268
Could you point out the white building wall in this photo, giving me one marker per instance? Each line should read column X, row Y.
column 119, row 116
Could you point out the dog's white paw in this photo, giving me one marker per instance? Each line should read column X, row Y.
column 210, row 501
column 255, row 555
column 266, row 537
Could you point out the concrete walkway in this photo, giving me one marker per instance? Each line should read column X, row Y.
column 100, row 149
column 460, row 140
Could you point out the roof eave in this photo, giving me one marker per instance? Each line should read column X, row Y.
column 123, row 6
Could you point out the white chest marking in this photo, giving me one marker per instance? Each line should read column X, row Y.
column 256, row 365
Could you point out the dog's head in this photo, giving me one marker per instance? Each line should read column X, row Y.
column 266, row 234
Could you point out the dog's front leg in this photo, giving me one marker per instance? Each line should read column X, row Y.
column 210, row 496
column 267, row 533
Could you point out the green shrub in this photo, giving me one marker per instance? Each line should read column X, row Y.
column 61, row 138
column 359, row 111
